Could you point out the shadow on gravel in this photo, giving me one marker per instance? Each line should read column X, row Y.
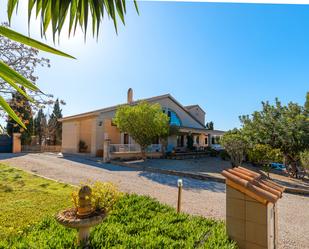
column 4, row 156
column 188, row 183
column 92, row 162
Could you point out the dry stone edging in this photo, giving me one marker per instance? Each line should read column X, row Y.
column 289, row 190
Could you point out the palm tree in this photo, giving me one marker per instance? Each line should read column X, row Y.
column 54, row 13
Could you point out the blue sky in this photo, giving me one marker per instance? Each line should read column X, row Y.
column 225, row 57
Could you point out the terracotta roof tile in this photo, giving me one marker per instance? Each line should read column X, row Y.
column 252, row 184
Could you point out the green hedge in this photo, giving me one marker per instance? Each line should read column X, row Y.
column 136, row 222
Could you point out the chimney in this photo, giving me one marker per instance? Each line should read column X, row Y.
column 130, row 96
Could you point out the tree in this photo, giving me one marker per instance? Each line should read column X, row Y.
column 40, row 126
column 54, row 13
column 282, row 127
column 210, row 125
column 54, row 126
column 144, row 122
column 304, row 159
column 22, row 108
column 263, row 155
column 235, row 145
column 306, row 106
column 23, row 60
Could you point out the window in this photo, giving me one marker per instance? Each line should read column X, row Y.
column 198, row 139
column 126, row 138
column 174, row 119
column 206, row 140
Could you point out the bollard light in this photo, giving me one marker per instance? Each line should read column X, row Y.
column 180, row 184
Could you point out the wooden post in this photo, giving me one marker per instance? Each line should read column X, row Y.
column 179, row 183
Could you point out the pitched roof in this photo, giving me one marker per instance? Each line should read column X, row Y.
column 215, row 132
column 111, row 108
column 188, row 107
column 252, row 184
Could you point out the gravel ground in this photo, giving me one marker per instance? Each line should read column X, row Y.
column 199, row 197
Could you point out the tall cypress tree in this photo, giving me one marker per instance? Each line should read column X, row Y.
column 22, row 108
column 40, row 126
column 210, row 125
column 306, row 106
column 54, row 126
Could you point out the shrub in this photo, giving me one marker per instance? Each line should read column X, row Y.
column 103, row 197
column 224, row 155
column 212, row 152
column 135, row 222
column 82, row 146
column 263, row 154
column 235, row 145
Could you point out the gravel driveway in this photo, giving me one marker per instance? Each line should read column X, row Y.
column 199, row 197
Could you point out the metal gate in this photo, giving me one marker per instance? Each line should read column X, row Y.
column 6, row 144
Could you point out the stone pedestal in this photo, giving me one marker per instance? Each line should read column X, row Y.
column 250, row 223
column 83, row 235
column 106, row 150
column 251, row 209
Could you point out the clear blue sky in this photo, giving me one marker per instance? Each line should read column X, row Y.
column 225, row 57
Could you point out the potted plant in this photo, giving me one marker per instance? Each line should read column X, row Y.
column 82, row 146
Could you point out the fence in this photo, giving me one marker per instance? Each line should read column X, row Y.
column 41, row 148
column 134, row 148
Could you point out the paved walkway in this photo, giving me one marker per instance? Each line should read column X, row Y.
column 199, row 197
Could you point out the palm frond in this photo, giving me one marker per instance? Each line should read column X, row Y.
column 54, row 13
column 15, row 36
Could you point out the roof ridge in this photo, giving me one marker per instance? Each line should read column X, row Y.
column 252, row 183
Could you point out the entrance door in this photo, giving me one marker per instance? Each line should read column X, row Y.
column 180, row 140
column 6, row 144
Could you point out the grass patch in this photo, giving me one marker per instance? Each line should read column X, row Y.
column 24, row 200
column 136, row 221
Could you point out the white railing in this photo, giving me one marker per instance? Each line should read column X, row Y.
column 154, row 148
column 133, row 148
column 124, row 148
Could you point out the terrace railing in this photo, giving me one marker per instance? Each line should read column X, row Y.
column 133, row 148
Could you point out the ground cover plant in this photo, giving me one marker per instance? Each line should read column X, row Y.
column 135, row 222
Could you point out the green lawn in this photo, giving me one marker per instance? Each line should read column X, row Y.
column 28, row 204
column 25, row 199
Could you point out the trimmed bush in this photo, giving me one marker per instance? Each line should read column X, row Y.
column 136, row 222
